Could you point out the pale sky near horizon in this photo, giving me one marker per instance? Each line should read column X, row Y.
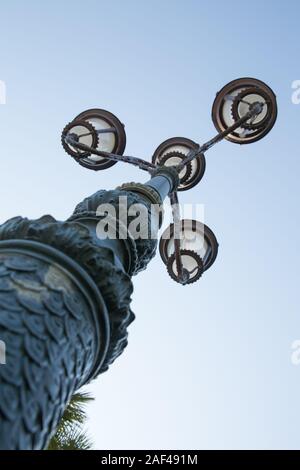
column 208, row 366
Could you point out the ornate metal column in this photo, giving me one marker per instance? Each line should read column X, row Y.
column 65, row 307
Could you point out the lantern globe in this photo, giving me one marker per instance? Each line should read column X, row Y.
column 233, row 102
column 194, row 236
column 192, row 174
column 112, row 137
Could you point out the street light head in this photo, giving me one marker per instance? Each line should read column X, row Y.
column 82, row 132
column 111, row 138
column 172, row 152
column 192, row 267
column 235, row 100
column 198, row 249
column 174, row 158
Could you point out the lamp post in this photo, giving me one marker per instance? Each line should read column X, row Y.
column 65, row 287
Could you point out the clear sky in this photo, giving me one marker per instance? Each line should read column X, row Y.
column 208, row 365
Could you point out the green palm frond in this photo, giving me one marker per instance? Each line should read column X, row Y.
column 75, row 411
column 69, row 434
column 74, row 439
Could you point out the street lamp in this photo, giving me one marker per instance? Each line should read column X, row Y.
column 238, row 99
column 172, row 152
column 97, row 129
column 198, row 250
column 65, row 290
column 243, row 111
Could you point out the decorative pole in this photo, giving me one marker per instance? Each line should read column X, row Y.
column 65, row 307
column 65, row 288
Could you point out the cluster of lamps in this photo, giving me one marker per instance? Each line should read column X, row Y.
column 243, row 111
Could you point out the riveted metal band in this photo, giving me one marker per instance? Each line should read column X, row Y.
column 143, row 190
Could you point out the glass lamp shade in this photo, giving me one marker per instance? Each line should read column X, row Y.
column 193, row 236
column 174, row 158
column 234, row 100
column 171, row 152
column 192, row 267
column 83, row 133
column 241, row 106
column 112, row 141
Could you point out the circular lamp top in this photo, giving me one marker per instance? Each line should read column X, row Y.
column 235, row 99
column 113, row 141
column 82, row 132
column 172, row 151
column 195, row 237
column 192, row 267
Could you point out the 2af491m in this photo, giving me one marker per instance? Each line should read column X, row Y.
column 185, row 459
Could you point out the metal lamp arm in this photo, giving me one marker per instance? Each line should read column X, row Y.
column 142, row 164
column 147, row 166
column 254, row 111
column 176, row 219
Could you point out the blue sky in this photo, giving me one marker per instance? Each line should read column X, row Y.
column 208, row 365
